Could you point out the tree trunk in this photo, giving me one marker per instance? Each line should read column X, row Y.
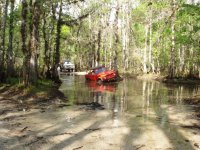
column 125, row 35
column 181, row 57
column 98, row 48
column 47, row 61
column 151, row 58
column 116, row 37
column 34, row 42
column 30, row 73
column 2, row 47
column 57, row 48
column 111, row 52
column 24, row 45
column 10, row 59
column 145, row 50
column 95, row 49
column 128, row 16
column 172, row 54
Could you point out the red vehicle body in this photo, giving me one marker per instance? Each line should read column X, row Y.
column 101, row 74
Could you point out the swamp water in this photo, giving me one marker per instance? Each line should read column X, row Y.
column 137, row 114
column 128, row 115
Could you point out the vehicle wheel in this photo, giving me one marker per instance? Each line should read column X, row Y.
column 87, row 79
column 99, row 81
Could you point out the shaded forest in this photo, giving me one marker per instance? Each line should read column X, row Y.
column 132, row 36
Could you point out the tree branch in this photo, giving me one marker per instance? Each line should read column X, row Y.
column 74, row 1
column 73, row 22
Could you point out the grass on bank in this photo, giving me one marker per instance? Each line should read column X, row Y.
column 42, row 88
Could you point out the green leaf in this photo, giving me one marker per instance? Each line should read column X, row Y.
column 65, row 30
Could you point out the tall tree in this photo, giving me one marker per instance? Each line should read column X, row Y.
column 57, row 47
column 47, row 52
column 34, row 41
column 30, row 51
column 2, row 47
column 24, row 43
column 116, row 36
column 145, row 49
column 10, row 63
column 172, row 52
column 125, row 34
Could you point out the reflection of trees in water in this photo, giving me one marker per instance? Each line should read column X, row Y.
column 97, row 97
column 148, row 95
column 176, row 93
column 115, row 108
column 129, row 94
column 124, row 99
column 153, row 96
column 119, row 101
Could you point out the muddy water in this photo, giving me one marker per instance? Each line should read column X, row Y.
column 129, row 115
column 145, row 114
column 128, row 96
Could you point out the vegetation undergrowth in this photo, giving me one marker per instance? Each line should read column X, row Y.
column 43, row 88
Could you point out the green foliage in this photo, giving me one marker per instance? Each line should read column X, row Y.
column 43, row 86
column 79, row 41
column 13, row 81
column 65, row 31
column 139, row 32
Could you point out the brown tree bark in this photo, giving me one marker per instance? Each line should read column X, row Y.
column 97, row 48
column 125, row 35
column 57, row 48
column 30, row 72
column 24, row 44
column 34, row 42
column 151, row 57
column 145, row 49
column 47, row 55
column 2, row 46
column 172, row 55
column 116, row 37
column 10, row 59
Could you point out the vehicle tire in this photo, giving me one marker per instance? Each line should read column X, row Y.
column 99, row 81
column 86, row 79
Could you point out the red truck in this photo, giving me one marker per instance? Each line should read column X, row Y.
column 101, row 74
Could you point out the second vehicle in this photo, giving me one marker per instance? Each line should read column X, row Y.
column 67, row 66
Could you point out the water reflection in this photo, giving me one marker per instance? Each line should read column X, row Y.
column 106, row 87
column 128, row 96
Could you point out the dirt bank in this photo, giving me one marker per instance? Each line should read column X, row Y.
column 162, row 78
column 181, row 81
column 26, row 99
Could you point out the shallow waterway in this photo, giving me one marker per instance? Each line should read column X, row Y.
column 127, row 115
column 142, row 114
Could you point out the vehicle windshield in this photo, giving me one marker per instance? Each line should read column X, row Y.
column 67, row 63
column 99, row 70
